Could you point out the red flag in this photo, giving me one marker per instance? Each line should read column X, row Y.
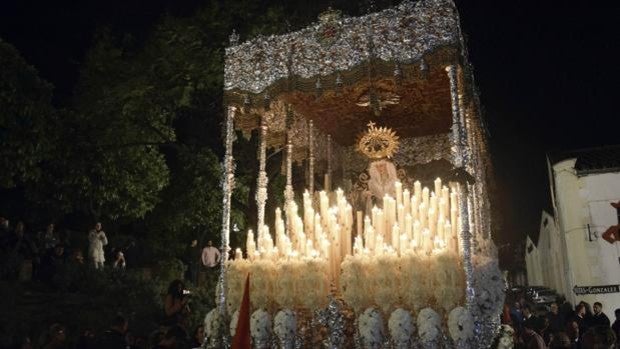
column 242, row 333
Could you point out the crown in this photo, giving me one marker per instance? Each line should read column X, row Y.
column 378, row 142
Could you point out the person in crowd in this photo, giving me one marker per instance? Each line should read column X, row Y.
column 175, row 338
column 4, row 228
column 114, row 337
column 544, row 331
column 198, row 337
column 598, row 337
column 210, row 256
column 516, row 316
column 528, row 315
column 580, row 318
column 561, row 341
column 616, row 326
column 176, row 304
column 20, row 248
column 77, row 257
column 97, row 239
column 192, row 259
column 119, row 261
column 598, row 317
column 566, row 308
column 572, row 330
column 56, row 337
column 86, row 340
column 531, row 339
column 48, row 239
column 52, row 263
column 556, row 321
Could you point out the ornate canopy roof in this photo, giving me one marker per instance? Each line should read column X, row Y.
column 343, row 72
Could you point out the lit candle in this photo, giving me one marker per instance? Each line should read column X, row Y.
column 427, row 246
column 238, row 254
column 417, row 190
column 403, row 246
column 396, row 237
column 407, row 201
column 438, row 186
column 401, row 215
column 409, row 226
column 359, row 226
column 398, row 187
column 414, row 207
column 380, row 223
column 417, row 232
column 425, row 196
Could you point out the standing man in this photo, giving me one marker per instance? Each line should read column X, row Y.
column 599, row 318
column 97, row 240
column 210, row 255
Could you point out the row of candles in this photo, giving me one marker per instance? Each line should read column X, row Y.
column 418, row 221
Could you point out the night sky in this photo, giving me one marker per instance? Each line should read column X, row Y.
column 547, row 74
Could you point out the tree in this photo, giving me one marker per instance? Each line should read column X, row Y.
column 27, row 119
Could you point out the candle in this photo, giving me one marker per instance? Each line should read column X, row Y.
column 423, row 215
column 396, row 237
column 438, row 186
column 398, row 187
column 409, row 226
column 407, row 201
column 425, row 196
column 359, row 226
column 380, row 223
column 427, row 243
column 403, row 244
column 401, row 215
column 417, row 232
column 358, row 246
column 414, row 207
column 417, row 190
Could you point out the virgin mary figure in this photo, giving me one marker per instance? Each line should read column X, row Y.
column 382, row 175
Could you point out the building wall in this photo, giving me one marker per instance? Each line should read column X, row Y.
column 589, row 260
column 533, row 264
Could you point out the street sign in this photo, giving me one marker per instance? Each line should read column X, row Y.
column 579, row 290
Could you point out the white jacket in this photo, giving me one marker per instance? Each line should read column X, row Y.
column 96, row 242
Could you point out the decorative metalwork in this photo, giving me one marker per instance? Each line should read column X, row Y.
column 457, row 129
column 414, row 29
column 332, row 317
column 311, row 157
column 378, row 142
column 228, row 184
column 465, row 205
column 262, row 180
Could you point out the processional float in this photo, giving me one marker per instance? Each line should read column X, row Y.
column 384, row 237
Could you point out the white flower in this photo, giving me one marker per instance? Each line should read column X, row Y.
column 489, row 286
column 506, row 339
column 260, row 325
column 370, row 326
column 233, row 323
column 400, row 325
column 285, row 324
column 460, row 324
column 429, row 325
column 212, row 323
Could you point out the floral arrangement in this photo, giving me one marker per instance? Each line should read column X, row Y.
column 263, row 275
column 489, row 286
column 260, row 328
column 506, row 337
column 415, row 290
column 234, row 319
column 285, row 326
column 237, row 272
column 370, row 326
column 401, row 328
column 212, row 323
column 352, row 281
column 448, row 280
column 385, row 281
column 286, row 283
column 429, row 326
column 460, row 324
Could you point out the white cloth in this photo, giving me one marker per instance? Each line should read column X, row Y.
column 97, row 240
column 210, row 256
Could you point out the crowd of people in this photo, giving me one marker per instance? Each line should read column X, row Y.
column 118, row 336
column 560, row 325
column 40, row 256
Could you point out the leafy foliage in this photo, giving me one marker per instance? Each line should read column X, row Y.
column 27, row 119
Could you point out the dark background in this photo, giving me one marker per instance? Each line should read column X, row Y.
column 547, row 73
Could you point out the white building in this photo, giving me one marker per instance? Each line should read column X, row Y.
column 571, row 251
column 544, row 260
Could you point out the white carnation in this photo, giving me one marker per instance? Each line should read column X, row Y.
column 400, row 325
column 260, row 325
column 370, row 325
column 460, row 324
column 212, row 323
column 285, row 324
column 429, row 325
